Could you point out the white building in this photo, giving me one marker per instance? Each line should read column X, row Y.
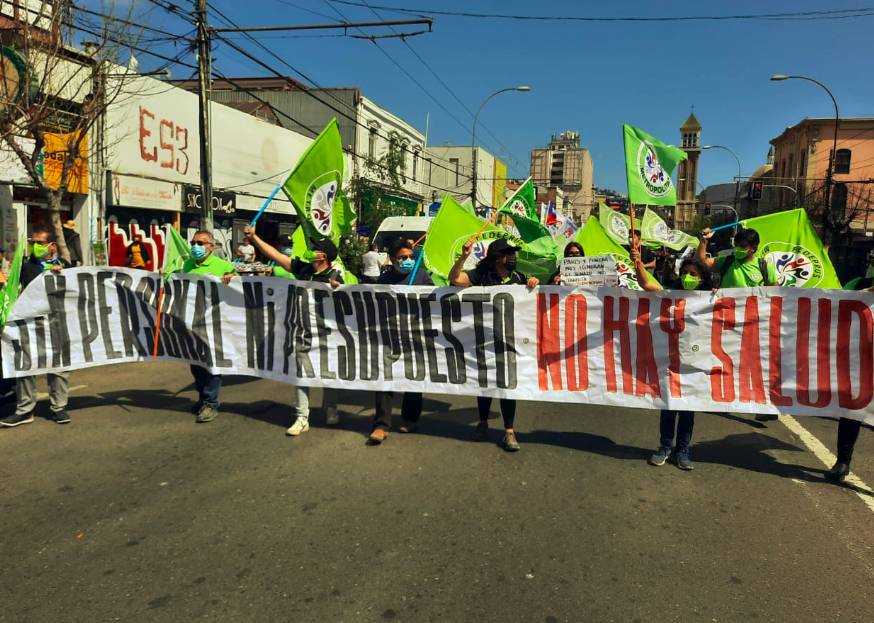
column 449, row 169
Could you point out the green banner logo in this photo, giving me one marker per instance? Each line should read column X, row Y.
column 652, row 175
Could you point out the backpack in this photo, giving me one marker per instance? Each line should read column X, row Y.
column 763, row 268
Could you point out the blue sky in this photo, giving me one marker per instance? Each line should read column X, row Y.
column 586, row 76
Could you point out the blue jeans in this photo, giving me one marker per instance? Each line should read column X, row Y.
column 208, row 386
column 684, row 429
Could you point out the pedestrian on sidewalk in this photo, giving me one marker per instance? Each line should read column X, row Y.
column 694, row 275
column 43, row 260
column 319, row 270
column 372, row 261
column 497, row 268
column 400, row 254
column 203, row 262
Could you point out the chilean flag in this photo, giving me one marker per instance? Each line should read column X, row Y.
column 551, row 215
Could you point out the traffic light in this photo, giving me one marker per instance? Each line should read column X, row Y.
column 756, row 191
column 706, row 209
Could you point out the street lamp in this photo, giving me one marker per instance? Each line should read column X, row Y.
column 739, row 171
column 834, row 154
column 523, row 89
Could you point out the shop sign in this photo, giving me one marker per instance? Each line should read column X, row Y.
column 136, row 192
column 223, row 203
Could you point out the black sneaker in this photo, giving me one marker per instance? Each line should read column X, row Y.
column 206, row 414
column 481, row 432
column 658, row 459
column 14, row 420
column 61, row 417
column 838, row 472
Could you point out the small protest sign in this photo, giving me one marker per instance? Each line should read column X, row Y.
column 589, row 271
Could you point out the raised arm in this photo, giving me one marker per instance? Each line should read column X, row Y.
column 701, row 252
column 642, row 276
column 457, row 276
column 267, row 250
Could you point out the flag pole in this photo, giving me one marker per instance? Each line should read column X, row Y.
column 158, row 321
column 266, row 203
column 713, row 229
column 486, row 224
column 634, row 244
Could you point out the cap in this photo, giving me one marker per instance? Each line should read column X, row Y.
column 285, row 240
column 501, row 247
column 326, row 246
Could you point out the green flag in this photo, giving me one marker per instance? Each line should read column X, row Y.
column 454, row 225
column 649, row 165
column 596, row 242
column 787, row 240
column 615, row 224
column 655, row 231
column 522, row 203
column 176, row 252
column 313, row 186
column 10, row 291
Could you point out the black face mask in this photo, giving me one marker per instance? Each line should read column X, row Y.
column 511, row 263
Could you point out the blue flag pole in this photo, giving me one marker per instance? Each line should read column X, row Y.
column 722, row 227
column 264, row 207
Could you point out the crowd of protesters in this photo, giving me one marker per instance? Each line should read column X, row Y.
column 399, row 266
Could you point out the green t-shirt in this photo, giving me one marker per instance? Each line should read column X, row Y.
column 744, row 274
column 210, row 266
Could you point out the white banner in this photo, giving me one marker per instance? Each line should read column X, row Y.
column 759, row 350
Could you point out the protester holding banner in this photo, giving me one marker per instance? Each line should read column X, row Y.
column 203, row 262
column 572, row 249
column 400, row 254
column 43, row 259
column 741, row 269
column 497, row 268
column 694, row 275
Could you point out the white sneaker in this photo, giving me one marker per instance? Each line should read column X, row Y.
column 300, row 425
column 333, row 417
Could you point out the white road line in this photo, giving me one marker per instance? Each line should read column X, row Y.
column 828, row 459
column 44, row 395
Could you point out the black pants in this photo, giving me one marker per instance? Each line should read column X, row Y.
column 508, row 409
column 684, row 421
column 848, row 433
column 411, row 408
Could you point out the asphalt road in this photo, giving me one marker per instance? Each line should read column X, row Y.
column 135, row 513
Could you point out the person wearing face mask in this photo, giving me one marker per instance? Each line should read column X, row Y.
column 400, row 272
column 497, row 268
column 203, row 262
column 741, row 269
column 694, row 275
column 43, row 260
column 321, row 270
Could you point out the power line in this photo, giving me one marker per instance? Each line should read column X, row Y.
column 796, row 15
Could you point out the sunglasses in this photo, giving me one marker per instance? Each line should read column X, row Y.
column 575, row 254
column 200, row 243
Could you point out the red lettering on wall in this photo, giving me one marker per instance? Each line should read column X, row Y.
column 166, row 143
column 749, row 372
column 722, row 377
column 673, row 324
column 548, row 341
column 775, row 355
column 646, row 368
column 575, row 354
column 823, row 354
column 846, row 354
column 611, row 326
column 182, row 167
column 145, row 154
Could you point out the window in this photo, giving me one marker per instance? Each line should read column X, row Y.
column 371, row 144
column 453, row 164
column 791, row 170
column 842, row 162
column 802, row 172
column 415, row 164
column 839, row 202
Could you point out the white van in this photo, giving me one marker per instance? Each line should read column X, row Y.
column 393, row 227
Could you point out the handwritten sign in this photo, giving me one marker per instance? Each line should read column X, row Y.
column 589, row 271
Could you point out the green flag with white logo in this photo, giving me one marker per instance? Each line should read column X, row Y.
column 655, row 231
column 313, row 186
column 616, row 224
column 454, row 225
column 522, row 203
column 9, row 294
column 596, row 242
column 649, row 165
column 521, row 208
column 788, row 241
column 177, row 251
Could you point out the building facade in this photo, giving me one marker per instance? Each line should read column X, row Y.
column 449, row 170
column 564, row 164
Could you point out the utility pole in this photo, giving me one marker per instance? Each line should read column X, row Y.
column 203, row 67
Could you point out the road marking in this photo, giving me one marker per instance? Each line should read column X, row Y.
column 44, row 395
column 828, row 459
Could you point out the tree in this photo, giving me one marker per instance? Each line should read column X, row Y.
column 56, row 98
column 367, row 195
